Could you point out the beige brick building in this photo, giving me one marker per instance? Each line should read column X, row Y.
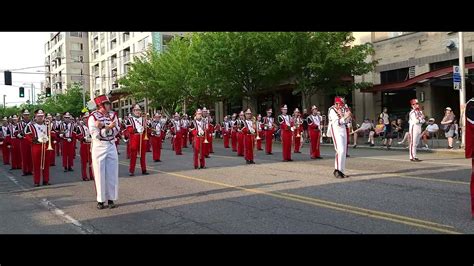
column 412, row 64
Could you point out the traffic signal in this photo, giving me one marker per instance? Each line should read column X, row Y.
column 8, row 78
column 22, row 92
column 48, row 92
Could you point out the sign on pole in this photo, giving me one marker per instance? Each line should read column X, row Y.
column 456, row 78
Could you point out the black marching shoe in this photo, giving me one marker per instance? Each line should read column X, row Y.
column 202, row 167
column 46, row 183
column 65, row 169
column 70, row 169
column 195, row 167
column 247, row 161
column 339, row 174
column 100, row 205
column 145, row 173
column 252, row 162
column 37, row 184
column 319, row 158
column 347, row 156
column 111, row 204
column 157, row 161
column 335, row 173
column 131, row 174
column 269, row 153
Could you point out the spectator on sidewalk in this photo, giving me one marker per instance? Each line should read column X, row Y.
column 379, row 131
column 362, row 130
column 448, row 126
column 391, row 133
column 386, row 119
column 431, row 129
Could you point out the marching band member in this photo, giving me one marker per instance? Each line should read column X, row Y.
column 68, row 138
column 233, row 133
column 148, row 125
column 52, row 155
column 4, row 139
column 197, row 128
column 269, row 129
column 260, row 132
column 103, row 126
column 210, row 132
column 298, row 133
column 314, row 128
column 185, row 126
column 226, row 131
column 249, row 131
column 84, row 136
column 338, row 119
column 56, row 127
column 156, row 139
column 206, row 144
column 416, row 119
column 15, row 143
column 26, row 163
column 240, row 135
column 137, row 131
column 38, row 134
column 177, row 132
column 286, row 129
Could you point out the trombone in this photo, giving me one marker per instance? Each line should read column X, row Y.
column 50, row 148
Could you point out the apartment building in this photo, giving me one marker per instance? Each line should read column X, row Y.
column 66, row 61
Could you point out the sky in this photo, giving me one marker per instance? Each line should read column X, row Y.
column 20, row 50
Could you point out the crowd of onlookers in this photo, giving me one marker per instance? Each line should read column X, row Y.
column 390, row 128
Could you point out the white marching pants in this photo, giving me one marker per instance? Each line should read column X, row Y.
column 105, row 166
column 339, row 137
column 415, row 132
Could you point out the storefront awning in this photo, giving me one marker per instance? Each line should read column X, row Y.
column 410, row 83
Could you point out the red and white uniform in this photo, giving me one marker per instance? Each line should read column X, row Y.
column 68, row 138
column 233, row 134
column 469, row 144
column 298, row 130
column 416, row 119
column 226, row 127
column 269, row 130
column 261, row 134
column 156, row 139
column 15, row 146
column 37, row 135
column 198, row 130
column 177, row 131
column 104, row 155
column 4, row 136
column 314, row 128
column 84, row 136
column 136, row 130
column 337, row 129
column 26, row 163
column 240, row 137
column 286, row 123
column 249, row 137
column 58, row 145
column 185, row 126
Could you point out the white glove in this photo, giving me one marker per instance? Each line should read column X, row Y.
column 55, row 142
column 61, row 135
column 69, row 140
column 9, row 146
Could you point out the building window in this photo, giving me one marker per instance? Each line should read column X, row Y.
column 76, row 34
column 448, row 63
column 396, row 75
column 76, row 46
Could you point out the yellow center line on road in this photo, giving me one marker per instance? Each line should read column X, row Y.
column 394, row 175
column 330, row 205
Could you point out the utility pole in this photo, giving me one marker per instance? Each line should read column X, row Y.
column 462, row 91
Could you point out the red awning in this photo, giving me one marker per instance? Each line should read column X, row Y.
column 410, row 83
